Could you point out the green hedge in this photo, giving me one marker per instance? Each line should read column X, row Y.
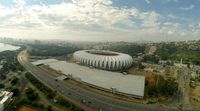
column 47, row 91
column 51, row 94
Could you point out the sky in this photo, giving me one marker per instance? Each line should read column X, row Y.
column 101, row 20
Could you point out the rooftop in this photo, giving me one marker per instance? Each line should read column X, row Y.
column 126, row 84
column 4, row 96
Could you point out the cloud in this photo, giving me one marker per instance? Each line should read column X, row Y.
column 19, row 3
column 167, row 23
column 173, row 0
column 79, row 12
column 187, row 8
column 175, row 17
column 168, row 1
column 84, row 20
column 147, row 1
column 170, row 32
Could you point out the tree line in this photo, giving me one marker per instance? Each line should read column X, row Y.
column 51, row 50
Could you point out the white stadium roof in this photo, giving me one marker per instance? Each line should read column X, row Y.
column 107, row 60
column 125, row 84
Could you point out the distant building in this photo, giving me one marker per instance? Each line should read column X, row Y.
column 165, row 62
column 2, row 61
column 150, row 50
column 4, row 96
column 180, row 65
column 153, row 68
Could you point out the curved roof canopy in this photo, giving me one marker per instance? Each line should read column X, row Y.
column 107, row 60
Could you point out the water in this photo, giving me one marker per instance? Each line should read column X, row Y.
column 4, row 47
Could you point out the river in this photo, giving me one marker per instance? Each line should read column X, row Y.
column 4, row 47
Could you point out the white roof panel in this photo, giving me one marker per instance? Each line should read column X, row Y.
column 128, row 84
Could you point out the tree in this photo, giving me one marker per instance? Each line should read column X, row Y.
column 2, row 76
column 14, row 81
column 15, row 91
column 31, row 95
column 152, row 91
column 151, row 58
column 167, row 87
column 164, row 88
column 52, row 50
column 49, row 108
column 2, row 86
column 140, row 66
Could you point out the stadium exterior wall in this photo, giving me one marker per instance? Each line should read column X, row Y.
column 107, row 60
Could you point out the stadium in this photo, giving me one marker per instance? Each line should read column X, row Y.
column 107, row 60
column 109, row 79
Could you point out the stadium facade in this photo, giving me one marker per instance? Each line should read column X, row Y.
column 107, row 60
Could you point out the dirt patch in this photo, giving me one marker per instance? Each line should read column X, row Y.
column 195, row 96
column 150, row 79
column 149, row 76
column 196, row 92
column 27, row 108
column 170, row 71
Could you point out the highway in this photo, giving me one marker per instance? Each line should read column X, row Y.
column 87, row 100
